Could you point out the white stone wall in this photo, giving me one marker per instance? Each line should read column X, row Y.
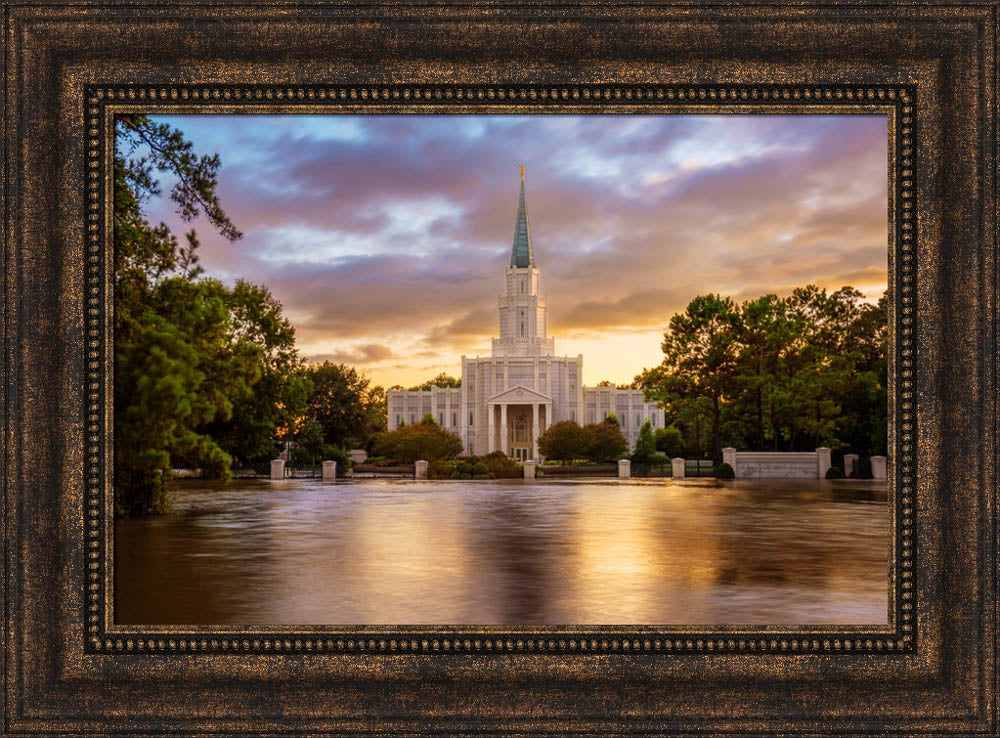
column 483, row 378
column 628, row 404
column 778, row 464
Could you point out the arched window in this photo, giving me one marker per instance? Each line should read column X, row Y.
column 521, row 428
column 522, row 319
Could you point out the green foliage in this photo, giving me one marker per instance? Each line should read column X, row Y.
column 428, row 419
column 425, row 441
column 604, row 441
column 502, row 467
column 724, row 471
column 177, row 366
column 441, row 380
column 775, row 373
column 310, row 441
column 282, row 392
column 176, row 371
column 563, row 441
column 442, row 468
column 206, row 375
column 834, row 472
column 645, row 444
column 612, row 418
column 472, row 467
column 669, row 441
column 340, row 455
column 344, row 404
column 700, row 353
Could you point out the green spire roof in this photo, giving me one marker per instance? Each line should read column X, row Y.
column 522, row 254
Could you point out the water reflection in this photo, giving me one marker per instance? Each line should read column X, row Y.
column 508, row 552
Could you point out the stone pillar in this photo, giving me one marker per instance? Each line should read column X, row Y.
column 529, row 469
column 729, row 457
column 421, row 470
column 624, row 468
column 822, row 461
column 329, row 471
column 503, row 429
column 878, row 467
column 534, row 431
column 850, row 463
column 491, row 441
column 277, row 468
column 677, row 468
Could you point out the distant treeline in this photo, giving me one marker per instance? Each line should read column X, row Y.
column 775, row 373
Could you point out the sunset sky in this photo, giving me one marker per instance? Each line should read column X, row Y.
column 386, row 237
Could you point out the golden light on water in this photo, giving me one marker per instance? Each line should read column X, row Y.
column 509, row 552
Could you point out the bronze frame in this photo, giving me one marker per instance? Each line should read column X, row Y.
column 69, row 68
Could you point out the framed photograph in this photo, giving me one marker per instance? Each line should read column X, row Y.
column 455, row 369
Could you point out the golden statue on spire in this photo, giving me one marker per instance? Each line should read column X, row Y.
column 522, row 171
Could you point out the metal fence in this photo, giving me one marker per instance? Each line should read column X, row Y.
column 692, row 468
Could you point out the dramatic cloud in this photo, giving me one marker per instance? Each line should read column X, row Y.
column 370, row 353
column 386, row 237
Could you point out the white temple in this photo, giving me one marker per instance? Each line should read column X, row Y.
column 510, row 397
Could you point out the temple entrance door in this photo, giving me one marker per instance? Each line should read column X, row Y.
column 520, row 432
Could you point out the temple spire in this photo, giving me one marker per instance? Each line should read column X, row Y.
column 522, row 254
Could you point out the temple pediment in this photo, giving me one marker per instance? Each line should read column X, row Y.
column 518, row 394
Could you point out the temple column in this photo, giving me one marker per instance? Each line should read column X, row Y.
column 491, row 440
column 503, row 428
column 534, row 431
column 627, row 423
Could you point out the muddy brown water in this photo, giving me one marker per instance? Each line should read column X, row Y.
column 508, row 552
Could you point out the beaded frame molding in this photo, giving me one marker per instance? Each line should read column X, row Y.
column 932, row 66
column 896, row 102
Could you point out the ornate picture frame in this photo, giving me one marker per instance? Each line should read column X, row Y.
column 69, row 69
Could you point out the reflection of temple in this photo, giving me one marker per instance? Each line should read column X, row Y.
column 507, row 399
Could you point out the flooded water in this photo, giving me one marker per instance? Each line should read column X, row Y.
column 508, row 552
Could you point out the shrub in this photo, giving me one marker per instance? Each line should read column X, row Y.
column 605, row 441
column 340, row 455
column 502, row 467
column 669, row 441
column 564, row 441
column 724, row 471
column 645, row 445
column 834, row 472
column 425, row 441
column 480, row 471
column 442, row 469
